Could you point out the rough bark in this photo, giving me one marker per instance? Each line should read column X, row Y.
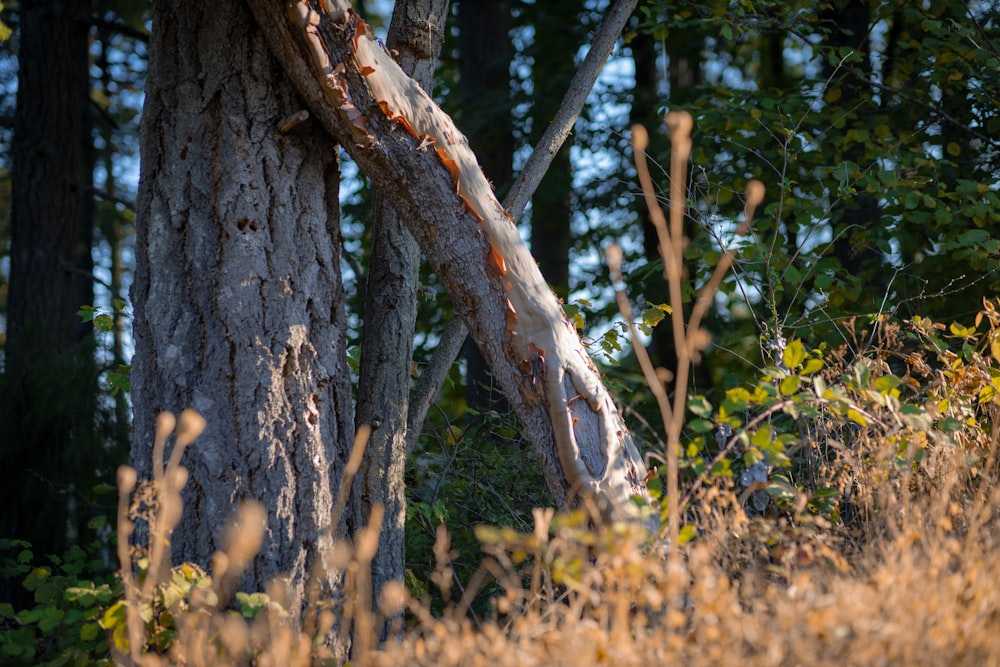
column 411, row 149
column 239, row 308
column 50, row 454
column 415, row 34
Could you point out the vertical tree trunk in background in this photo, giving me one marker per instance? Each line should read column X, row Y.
column 485, row 53
column 415, row 35
column 50, row 450
column 683, row 53
column 684, row 56
column 239, row 306
column 553, row 52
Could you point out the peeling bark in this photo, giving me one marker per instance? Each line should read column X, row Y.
column 412, row 150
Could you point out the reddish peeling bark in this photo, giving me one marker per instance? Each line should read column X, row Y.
column 412, row 151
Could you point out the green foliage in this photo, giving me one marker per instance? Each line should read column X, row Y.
column 462, row 476
column 787, row 434
column 104, row 321
column 70, row 592
column 881, row 185
column 187, row 585
column 5, row 31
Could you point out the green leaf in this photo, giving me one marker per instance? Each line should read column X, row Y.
column 89, row 631
column 655, row 314
column 699, row 406
column 87, row 313
column 700, row 425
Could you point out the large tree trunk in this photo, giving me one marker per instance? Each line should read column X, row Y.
column 50, row 450
column 415, row 34
column 411, row 149
column 239, row 308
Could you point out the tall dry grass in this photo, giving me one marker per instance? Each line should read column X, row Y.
column 898, row 568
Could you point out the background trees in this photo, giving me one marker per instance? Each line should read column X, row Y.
column 64, row 217
column 873, row 124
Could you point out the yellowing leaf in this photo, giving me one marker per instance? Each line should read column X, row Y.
column 856, row 417
column 960, row 330
column 793, row 354
column 790, row 385
column 953, row 149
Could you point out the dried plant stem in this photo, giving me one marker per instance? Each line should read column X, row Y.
column 126, row 484
column 689, row 339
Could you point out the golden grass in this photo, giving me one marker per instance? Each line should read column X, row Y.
column 911, row 580
column 902, row 571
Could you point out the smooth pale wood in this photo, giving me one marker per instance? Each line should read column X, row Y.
column 413, row 151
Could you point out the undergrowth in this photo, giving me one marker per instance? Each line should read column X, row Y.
column 873, row 543
column 840, row 509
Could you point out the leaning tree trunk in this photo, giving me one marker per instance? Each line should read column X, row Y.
column 239, row 309
column 413, row 152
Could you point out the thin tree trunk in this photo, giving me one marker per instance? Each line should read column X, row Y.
column 553, row 54
column 855, row 217
column 411, row 149
column 239, row 304
column 415, row 34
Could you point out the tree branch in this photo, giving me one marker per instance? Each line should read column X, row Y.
column 530, row 177
column 412, row 150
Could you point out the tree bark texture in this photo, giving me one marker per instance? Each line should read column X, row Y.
column 415, row 35
column 239, row 305
column 412, row 150
column 50, row 449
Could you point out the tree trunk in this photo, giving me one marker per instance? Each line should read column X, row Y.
column 412, row 150
column 50, row 453
column 855, row 217
column 553, row 54
column 485, row 52
column 415, row 34
column 239, row 305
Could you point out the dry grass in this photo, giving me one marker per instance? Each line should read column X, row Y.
column 911, row 581
column 898, row 569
